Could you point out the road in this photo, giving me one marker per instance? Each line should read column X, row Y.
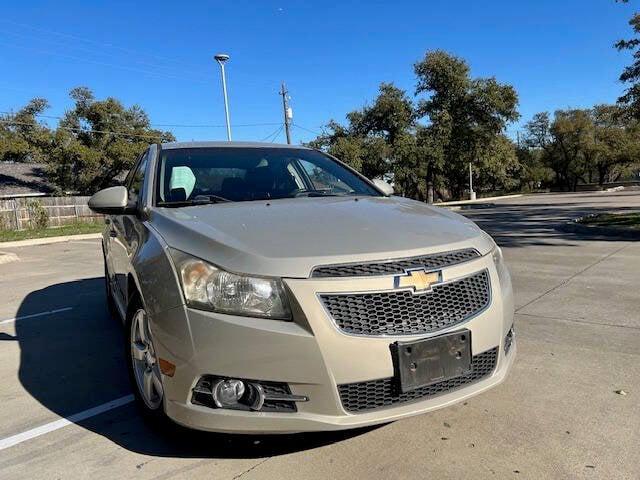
column 557, row 416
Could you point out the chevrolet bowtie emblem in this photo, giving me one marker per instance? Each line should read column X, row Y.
column 420, row 281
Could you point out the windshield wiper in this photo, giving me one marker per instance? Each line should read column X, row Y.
column 204, row 199
column 320, row 193
column 198, row 200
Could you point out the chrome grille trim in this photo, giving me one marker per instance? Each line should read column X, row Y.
column 364, row 396
column 401, row 312
column 396, row 266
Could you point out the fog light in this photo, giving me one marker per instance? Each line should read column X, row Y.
column 227, row 393
column 256, row 396
column 508, row 341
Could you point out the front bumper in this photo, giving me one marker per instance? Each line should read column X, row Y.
column 313, row 356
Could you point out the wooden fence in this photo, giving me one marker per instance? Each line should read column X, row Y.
column 18, row 213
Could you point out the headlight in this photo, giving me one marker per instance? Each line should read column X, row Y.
column 211, row 288
column 501, row 267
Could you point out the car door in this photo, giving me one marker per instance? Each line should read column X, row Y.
column 111, row 240
column 124, row 239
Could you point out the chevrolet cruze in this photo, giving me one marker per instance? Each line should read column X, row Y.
column 269, row 288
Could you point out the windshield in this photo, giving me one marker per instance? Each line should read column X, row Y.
column 188, row 176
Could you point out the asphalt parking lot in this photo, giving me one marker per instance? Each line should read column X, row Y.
column 557, row 416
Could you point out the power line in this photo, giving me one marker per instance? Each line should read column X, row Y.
column 273, row 134
column 306, row 129
column 92, row 42
column 81, row 130
column 107, row 64
column 277, row 134
column 175, row 125
column 93, row 51
column 201, row 78
column 267, row 124
column 269, row 138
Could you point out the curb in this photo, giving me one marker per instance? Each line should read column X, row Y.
column 48, row 240
column 611, row 232
column 478, row 200
column 472, row 206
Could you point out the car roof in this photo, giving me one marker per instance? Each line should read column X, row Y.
column 177, row 145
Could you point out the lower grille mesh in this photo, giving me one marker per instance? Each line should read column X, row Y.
column 357, row 397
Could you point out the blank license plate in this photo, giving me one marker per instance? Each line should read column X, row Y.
column 423, row 362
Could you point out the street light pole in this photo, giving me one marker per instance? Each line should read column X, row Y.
column 221, row 58
column 472, row 194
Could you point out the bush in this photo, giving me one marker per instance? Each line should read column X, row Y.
column 39, row 217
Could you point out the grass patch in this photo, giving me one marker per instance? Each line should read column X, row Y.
column 71, row 229
column 618, row 220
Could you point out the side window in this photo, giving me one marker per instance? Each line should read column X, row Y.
column 296, row 176
column 323, row 180
column 137, row 179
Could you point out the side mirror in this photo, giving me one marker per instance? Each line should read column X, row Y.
column 111, row 201
column 383, row 186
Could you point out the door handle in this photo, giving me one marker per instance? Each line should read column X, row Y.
column 113, row 233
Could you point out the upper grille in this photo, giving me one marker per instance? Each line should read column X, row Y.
column 406, row 313
column 436, row 260
column 360, row 396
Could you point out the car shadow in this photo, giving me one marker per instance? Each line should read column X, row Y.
column 522, row 225
column 73, row 360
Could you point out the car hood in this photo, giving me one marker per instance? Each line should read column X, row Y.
column 289, row 237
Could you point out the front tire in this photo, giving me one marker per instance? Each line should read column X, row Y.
column 144, row 370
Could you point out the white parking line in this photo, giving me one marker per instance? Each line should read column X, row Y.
column 63, row 422
column 9, row 320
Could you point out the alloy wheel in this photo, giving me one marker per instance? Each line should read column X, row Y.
column 144, row 362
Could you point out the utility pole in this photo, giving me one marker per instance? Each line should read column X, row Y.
column 288, row 113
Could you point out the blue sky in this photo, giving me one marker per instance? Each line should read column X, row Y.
column 333, row 55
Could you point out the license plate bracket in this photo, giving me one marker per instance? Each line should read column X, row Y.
column 419, row 363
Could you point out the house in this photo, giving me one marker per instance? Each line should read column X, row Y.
column 18, row 179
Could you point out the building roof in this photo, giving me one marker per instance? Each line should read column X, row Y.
column 23, row 179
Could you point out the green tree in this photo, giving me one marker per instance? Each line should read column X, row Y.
column 498, row 166
column 391, row 115
column 573, row 135
column 98, row 140
column 583, row 145
column 464, row 121
column 631, row 74
column 374, row 141
column 22, row 137
column 616, row 142
column 407, row 169
column 534, row 172
column 369, row 155
column 466, row 115
column 432, row 141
